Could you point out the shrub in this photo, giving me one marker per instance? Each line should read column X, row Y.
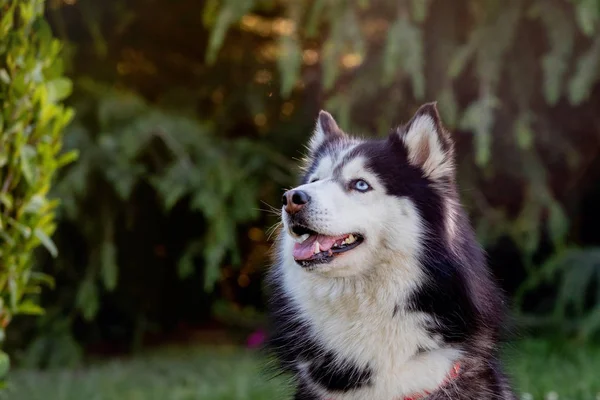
column 31, row 122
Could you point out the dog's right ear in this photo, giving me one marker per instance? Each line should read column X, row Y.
column 325, row 129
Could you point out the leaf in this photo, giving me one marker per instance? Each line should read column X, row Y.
column 39, row 278
column 574, row 281
column 289, row 63
column 587, row 13
column 109, row 268
column 461, row 58
column 448, row 107
column 23, row 229
column 46, row 241
column 28, row 155
column 87, row 299
column 59, row 89
column 185, row 266
column 231, row 11
column 404, row 47
column 561, row 35
column 479, row 118
column 420, row 8
column 6, row 23
column 67, row 158
column 6, row 200
column 210, row 12
column 314, row 16
column 558, row 223
column 4, row 77
column 4, row 364
column 590, row 324
column 523, row 132
column 35, row 204
column 28, row 307
column 582, row 82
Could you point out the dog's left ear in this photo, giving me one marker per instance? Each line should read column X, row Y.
column 325, row 129
column 428, row 144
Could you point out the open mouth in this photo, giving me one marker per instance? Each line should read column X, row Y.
column 313, row 248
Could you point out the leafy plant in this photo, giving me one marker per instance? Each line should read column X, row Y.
column 387, row 39
column 32, row 119
column 124, row 144
column 576, row 274
column 496, row 68
column 513, row 79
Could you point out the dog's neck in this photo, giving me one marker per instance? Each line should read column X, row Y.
column 367, row 319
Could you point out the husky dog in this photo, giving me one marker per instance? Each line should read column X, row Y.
column 380, row 290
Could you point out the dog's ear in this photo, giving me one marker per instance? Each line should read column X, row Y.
column 325, row 129
column 428, row 144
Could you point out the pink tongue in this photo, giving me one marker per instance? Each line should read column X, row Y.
column 306, row 249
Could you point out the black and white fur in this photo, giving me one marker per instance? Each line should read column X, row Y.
column 390, row 317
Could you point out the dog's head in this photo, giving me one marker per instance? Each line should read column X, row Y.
column 362, row 201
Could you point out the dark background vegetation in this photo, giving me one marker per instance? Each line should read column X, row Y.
column 190, row 116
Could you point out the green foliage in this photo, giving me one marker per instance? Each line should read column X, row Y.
column 576, row 307
column 32, row 119
column 496, row 68
column 514, row 79
column 126, row 143
column 220, row 372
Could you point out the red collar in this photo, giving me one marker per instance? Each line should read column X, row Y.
column 450, row 377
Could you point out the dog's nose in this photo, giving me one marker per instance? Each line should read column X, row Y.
column 294, row 200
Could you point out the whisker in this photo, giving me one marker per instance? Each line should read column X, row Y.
column 270, row 231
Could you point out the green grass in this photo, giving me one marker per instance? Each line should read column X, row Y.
column 540, row 368
column 223, row 373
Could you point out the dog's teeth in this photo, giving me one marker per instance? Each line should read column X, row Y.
column 300, row 239
column 317, row 248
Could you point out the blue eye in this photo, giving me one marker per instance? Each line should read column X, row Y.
column 361, row 186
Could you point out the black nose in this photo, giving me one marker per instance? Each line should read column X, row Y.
column 294, row 200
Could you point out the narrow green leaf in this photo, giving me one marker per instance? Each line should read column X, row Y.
column 523, row 132
column 4, row 77
column 28, row 307
column 67, row 158
column 7, row 238
column 185, row 266
column 6, row 200
column 587, row 74
column 87, row 299
column 587, row 13
column 316, row 12
column 38, row 277
column 109, row 267
column 420, row 8
column 28, row 167
column 289, row 63
column 558, row 223
column 23, row 229
column 591, row 324
column 59, row 89
column 46, row 241
column 36, row 204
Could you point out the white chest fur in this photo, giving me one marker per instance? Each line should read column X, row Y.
column 363, row 319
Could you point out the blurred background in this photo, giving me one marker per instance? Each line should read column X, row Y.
column 190, row 117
